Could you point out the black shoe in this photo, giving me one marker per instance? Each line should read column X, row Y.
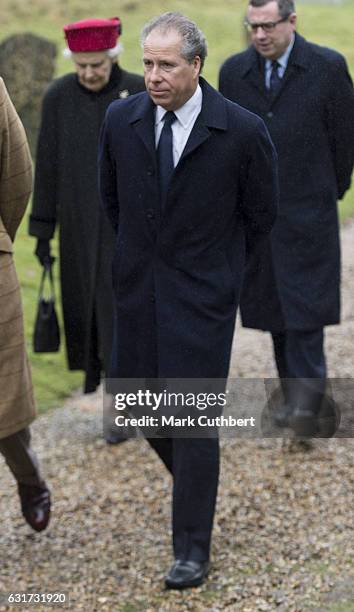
column 281, row 415
column 117, row 435
column 35, row 505
column 329, row 418
column 304, row 423
column 185, row 574
column 113, row 437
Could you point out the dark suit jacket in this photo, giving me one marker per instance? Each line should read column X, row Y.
column 177, row 275
column 293, row 281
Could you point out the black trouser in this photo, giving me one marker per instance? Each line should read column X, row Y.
column 194, row 465
column 20, row 458
column 301, row 364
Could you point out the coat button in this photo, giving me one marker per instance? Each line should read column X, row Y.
column 270, row 114
column 150, row 214
column 152, row 297
column 150, row 172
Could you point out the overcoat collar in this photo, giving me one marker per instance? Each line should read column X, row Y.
column 254, row 66
column 213, row 115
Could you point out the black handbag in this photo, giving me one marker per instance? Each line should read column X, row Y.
column 46, row 335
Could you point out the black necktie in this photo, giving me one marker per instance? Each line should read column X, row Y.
column 165, row 155
column 275, row 79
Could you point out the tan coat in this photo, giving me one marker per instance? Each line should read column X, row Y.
column 17, row 408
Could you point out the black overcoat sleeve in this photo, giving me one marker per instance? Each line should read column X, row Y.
column 259, row 185
column 44, row 206
column 340, row 118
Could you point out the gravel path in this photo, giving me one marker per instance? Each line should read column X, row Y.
column 284, row 529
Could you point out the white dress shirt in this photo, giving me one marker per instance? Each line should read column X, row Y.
column 183, row 125
column 282, row 61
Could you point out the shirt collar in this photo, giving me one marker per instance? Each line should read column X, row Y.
column 283, row 59
column 185, row 113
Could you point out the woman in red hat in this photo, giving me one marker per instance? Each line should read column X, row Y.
column 66, row 191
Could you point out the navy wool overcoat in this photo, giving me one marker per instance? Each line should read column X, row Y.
column 177, row 272
column 293, row 281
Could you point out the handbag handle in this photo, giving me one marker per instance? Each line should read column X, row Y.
column 47, row 270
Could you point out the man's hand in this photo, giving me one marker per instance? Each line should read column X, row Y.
column 43, row 253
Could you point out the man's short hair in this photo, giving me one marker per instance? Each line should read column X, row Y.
column 286, row 7
column 194, row 42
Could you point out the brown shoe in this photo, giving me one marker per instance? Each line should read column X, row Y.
column 35, row 505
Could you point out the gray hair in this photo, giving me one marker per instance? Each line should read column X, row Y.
column 194, row 42
column 112, row 53
column 286, row 7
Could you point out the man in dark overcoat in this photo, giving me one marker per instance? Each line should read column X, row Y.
column 304, row 94
column 66, row 191
column 195, row 177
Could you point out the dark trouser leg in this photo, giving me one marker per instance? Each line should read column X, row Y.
column 306, row 369
column 21, row 459
column 279, row 347
column 194, row 464
column 301, row 365
column 299, row 354
column 195, row 482
column 164, row 448
column 305, row 354
column 33, row 492
column 304, row 384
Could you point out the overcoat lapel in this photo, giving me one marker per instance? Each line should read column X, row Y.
column 143, row 122
column 212, row 115
column 254, row 70
column 297, row 61
column 199, row 134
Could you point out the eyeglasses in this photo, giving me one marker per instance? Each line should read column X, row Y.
column 268, row 26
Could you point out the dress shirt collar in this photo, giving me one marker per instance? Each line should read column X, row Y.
column 283, row 59
column 186, row 113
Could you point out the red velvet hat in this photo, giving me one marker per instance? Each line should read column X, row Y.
column 93, row 34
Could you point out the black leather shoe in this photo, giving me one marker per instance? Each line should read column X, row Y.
column 35, row 505
column 281, row 415
column 186, row 574
column 113, row 437
column 304, row 423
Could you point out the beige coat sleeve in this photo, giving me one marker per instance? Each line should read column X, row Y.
column 15, row 170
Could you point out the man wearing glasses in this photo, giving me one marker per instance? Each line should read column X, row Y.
column 304, row 94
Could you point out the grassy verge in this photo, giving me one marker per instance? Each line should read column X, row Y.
column 52, row 381
column 330, row 25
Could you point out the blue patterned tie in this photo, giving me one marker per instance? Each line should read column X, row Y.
column 275, row 79
column 165, row 155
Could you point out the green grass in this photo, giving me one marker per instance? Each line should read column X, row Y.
column 221, row 22
column 52, row 381
column 345, row 606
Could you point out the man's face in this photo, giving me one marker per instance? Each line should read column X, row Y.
column 272, row 43
column 93, row 69
column 170, row 80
